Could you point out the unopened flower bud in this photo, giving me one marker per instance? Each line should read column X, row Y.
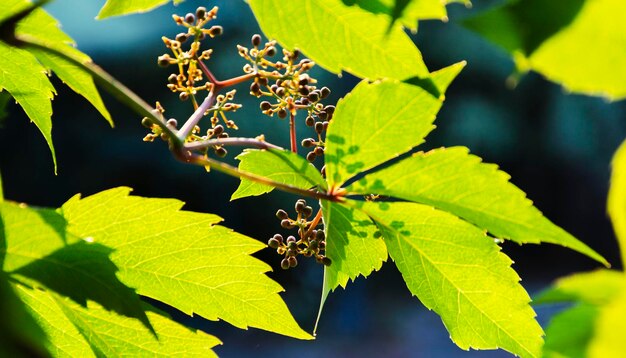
column 201, row 12
column 256, row 40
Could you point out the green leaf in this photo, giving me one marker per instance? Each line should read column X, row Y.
column 76, row 78
column 281, row 166
column 443, row 78
column 27, row 235
column 407, row 12
column 12, row 7
column 595, row 288
column 76, row 331
column 351, row 244
column 26, row 80
column 608, row 340
column 82, row 272
column 579, row 47
column 64, row 340
column 617, row 198
column 125, row 7
column 38, row 249
column 570, row 332
column 20, row 335
column 524, row 22
column 40, row 25
column 452, row 180
column 595, row 39
column 340, row 37
column 182, row 259
column 370, row 124
column 459, row 272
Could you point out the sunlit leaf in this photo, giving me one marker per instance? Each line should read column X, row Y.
column 280, row 166
column 617, row 198
column 77, row 331
column 43, row 27
column 29, row 234
column 608, row 339
column 24, row 72
column 124, row 7
column 75, row 78
column 455, row 269
column 406, row 12
column 452, row 180
column 341, row 37
column 577, row 43
column 351, row 244
column 570, row 332
column 595, row 288
column 26, row 80
column 20, row 335
column 369, row 127
column 38, row 249
column 589, row 55
column 183, row 259
column 370, row 124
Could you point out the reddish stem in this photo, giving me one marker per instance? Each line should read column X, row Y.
column 292, row 133
column 230, row 142
column 218, row 85
column 207, row 72
column 235, row 80
column 314, row 223
column 197, row 115
column 187, row 157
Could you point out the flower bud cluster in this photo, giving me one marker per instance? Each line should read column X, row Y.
column 309, row 243
column 189, row 79
column 289, row 87
column 317, row 145
column 156, row 131
column 221, row 107
column 217, row 131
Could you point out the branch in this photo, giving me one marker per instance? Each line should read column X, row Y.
column 226, row 83
column 232, row 171
column 314, row 223
column 292, row 133
column 7, row 27
column 193, row 120
column 243, row 142
column 109, row 84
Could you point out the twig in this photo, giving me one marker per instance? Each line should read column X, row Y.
column 243, row 142
column 292, row 133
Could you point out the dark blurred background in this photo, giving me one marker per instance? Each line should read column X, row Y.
column 557, row 148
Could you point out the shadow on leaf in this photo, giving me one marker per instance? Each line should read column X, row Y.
column 83, row 271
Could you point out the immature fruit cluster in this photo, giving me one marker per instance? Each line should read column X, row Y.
column 286, row 83
column 310, row 242
column 156, row 131
column 317, row 145
column 189, row 79
column 289, row 86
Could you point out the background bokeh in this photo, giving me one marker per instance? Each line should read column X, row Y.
column 556, row 146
